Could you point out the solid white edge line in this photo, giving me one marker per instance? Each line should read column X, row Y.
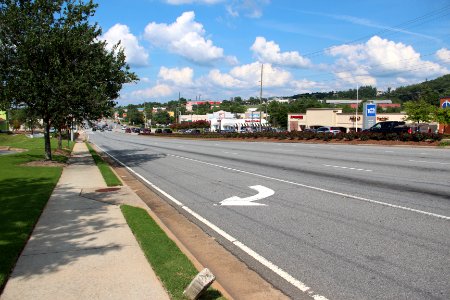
column 268, row 264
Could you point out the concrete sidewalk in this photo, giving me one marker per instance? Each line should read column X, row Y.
column 82, row 247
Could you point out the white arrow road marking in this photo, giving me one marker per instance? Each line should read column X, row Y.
column 263, row 192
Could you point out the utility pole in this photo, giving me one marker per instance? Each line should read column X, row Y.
column 356, row 112
column 260, row 98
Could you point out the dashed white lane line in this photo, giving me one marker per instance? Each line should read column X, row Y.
column 348, row 168
column 317, row 188
column 428, row 162
column 234, row 153
column 265, row 262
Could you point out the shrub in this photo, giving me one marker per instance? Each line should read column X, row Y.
column 364, row 137
column 392, row 136
column 350, row 136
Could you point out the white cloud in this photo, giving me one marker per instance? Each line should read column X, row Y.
column 179, row 2
column 250, row 8
column 224, row 80
column 443, row 55
column 269, row 52
column 378, row 57
column 135, row 54
column 251, row 73
column 184, row 37
column 159, row 90
column 179, row 77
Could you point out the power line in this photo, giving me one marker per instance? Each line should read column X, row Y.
column 395, row 29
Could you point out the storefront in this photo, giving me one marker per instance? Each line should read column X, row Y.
column 317, row 117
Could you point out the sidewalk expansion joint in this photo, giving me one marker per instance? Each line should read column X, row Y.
column 105, row 248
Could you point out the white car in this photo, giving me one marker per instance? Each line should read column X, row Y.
column 326, row 129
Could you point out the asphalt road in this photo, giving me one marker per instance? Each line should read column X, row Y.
column 343, row 222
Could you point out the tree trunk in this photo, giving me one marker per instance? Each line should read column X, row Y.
column 59, row 139
column 48, row 148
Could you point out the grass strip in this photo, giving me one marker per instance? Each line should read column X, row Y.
column 24, row 192
column 109, row 176
column 170, row 264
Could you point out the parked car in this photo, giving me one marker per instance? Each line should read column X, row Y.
column 167, row 130
column 327, row 129
column 127, row 130
column 158, row 130
column 390, row 127
column 146, row 130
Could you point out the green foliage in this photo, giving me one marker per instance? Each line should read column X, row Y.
column 134, row 116
column 419, row 111
column 170, row 264
column 430, row 91
column 25, row 191
column 235, row 106
column 53, row 60
column 442, row 115
column 161, row 117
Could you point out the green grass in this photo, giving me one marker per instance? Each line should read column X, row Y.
column 24, row 192
column 170, row 264
column 109, row 176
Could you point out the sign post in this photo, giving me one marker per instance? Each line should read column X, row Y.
column 370, row 115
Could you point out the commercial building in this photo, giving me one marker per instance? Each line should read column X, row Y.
column 223, row 120
column 317, row 117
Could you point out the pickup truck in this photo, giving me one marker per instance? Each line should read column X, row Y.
column 390, row 127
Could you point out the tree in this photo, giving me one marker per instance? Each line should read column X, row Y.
column 53, row 62
column 134, row 116
column 419, row 111
column 442, row 116
column 161, row 117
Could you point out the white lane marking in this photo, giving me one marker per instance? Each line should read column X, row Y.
column 389, row 151
column 318, row 189
column 263, row 192
column 234, row 153
column 429, row 162
column 349, row 168
column 265, row 262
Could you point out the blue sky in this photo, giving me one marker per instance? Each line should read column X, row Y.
column 214, row 49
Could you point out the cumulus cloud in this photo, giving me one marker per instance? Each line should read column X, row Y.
column 135, row 54
column 159, row 90
column 443, row 55
column 269, row 52
column 224, row 80
column 184, row 37
column 378, row 57
column 179, row 77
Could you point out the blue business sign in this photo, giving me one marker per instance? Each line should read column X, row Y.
column 370, row 115
column 371, row 110
column 446, row 104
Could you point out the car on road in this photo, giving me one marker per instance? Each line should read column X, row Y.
column 328, row 129
column 390, row 127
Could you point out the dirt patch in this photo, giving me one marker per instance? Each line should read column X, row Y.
column 44, row 163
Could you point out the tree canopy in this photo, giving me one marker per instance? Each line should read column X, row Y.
column 53, row 61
